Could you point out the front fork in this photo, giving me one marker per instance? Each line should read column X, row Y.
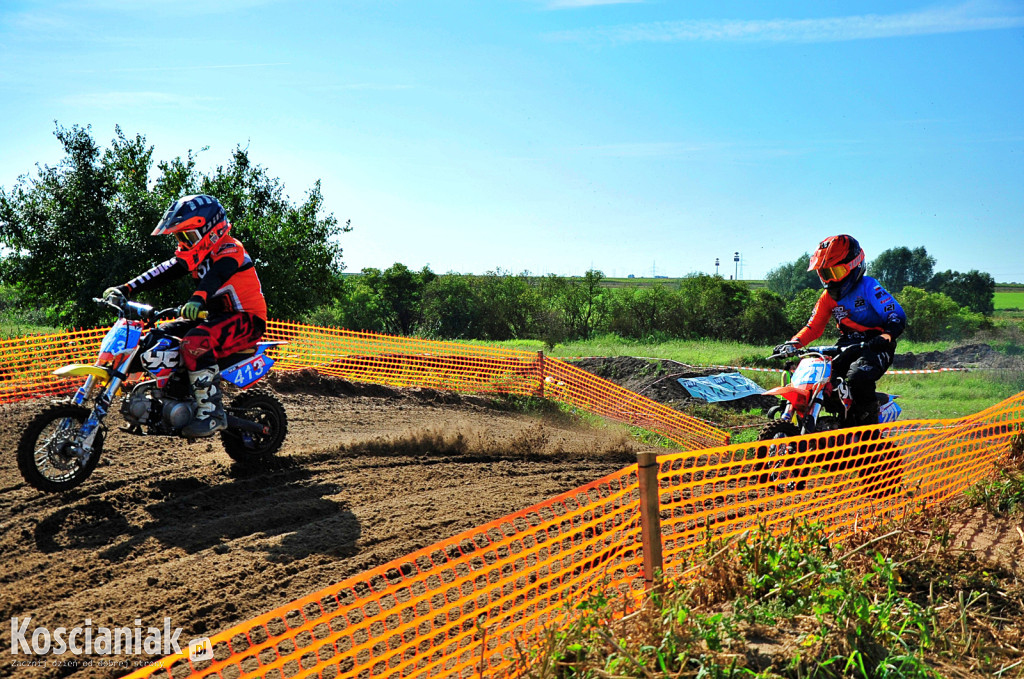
column 91, row 427
column 811, row 417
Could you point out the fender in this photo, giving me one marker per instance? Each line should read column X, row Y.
column 795, row 394
column 81, row 370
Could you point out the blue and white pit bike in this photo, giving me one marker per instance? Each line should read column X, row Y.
column 61, row 445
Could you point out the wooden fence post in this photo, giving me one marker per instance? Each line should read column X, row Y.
column 540, row 373
column 650, row 514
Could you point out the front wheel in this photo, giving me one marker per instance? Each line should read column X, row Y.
column 774, row 459
column 249, row 448
column 46, row 456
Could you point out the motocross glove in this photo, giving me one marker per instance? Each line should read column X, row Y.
column 114, row 295
column 787, row 348
column 191, row 310
column 881, row 345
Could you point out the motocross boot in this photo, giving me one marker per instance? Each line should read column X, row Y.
column 867, row 412
column 210, row 416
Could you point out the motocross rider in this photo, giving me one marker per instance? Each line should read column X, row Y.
column 228, row 289
column 866, row 314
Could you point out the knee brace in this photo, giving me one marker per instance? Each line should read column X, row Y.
column 197, row 349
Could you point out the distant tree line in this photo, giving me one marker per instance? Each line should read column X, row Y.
column 83, row 224
column 500, row 305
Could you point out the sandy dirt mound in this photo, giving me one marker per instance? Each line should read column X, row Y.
column 367, row 474
column 657, row 379
column 976, row 356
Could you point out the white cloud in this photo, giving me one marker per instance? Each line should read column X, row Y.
column 969, row 16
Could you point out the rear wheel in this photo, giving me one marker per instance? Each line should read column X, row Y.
column 250, row 448
column 46, row 457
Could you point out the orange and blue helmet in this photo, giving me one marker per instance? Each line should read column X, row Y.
column 839, row 263
column 198, row 223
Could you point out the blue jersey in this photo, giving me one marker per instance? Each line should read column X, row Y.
column 867, row 311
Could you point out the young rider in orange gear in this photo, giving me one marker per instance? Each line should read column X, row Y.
column 228, row 289
column 865, row 313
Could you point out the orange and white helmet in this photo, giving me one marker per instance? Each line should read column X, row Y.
column 199, row 223
column 839, row 263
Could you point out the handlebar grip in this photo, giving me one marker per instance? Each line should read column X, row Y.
column 203, row 315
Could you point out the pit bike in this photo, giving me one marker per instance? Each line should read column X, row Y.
column 816, row 402
column 61, row 446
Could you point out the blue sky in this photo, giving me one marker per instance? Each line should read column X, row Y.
column 559, row 135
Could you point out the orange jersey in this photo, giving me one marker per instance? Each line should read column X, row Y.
column 228, row 280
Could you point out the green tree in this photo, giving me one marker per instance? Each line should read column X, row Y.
column 711, row 306
column 398, row 291
column 975, row 289
column 899, row 267
column 75, row 226
column 763, row 319
column 294, row 246
column 788, row 280
column 642, row 313
column 575, row 304
column 451, row 308
column 511, row 305
column 84, row 224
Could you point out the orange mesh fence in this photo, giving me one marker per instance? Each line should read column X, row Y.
column 484, row 596
column 846, row 480
column 27, row 363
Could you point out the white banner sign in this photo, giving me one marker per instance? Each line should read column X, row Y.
column 721, row 387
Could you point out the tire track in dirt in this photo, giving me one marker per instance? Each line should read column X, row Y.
column 168, row 528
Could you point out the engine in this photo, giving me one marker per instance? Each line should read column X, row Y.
column 149, row 406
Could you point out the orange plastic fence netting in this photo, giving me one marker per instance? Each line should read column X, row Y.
column 429, row 613
column 27, row 364
column 486, row 595
column 847, row 480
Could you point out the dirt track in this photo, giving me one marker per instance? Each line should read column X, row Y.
column 167, row 528
column 367, row 475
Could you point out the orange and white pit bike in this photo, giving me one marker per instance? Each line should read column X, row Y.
column 814, row 402
column 61, row 446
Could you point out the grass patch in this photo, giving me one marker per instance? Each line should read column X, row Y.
column 690, row 352
column 951, row 395
column 899, row 603
column 10, row 328
column 1009, row 300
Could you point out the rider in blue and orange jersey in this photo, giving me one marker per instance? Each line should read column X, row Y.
column 227, row 288
column 866, row 315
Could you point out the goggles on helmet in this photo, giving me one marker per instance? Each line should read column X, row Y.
column 188, row 238
column 834, row 274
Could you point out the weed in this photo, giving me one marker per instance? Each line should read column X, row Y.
column 796, row 605
column 1001, row 496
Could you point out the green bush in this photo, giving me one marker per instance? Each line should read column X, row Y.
column 935, row 316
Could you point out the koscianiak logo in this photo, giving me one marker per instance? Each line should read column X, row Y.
column 86, row 639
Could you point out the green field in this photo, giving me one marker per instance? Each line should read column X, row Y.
column 1009, row 300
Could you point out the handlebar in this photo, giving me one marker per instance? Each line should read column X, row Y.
column 146, row 312
column 826, row 351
